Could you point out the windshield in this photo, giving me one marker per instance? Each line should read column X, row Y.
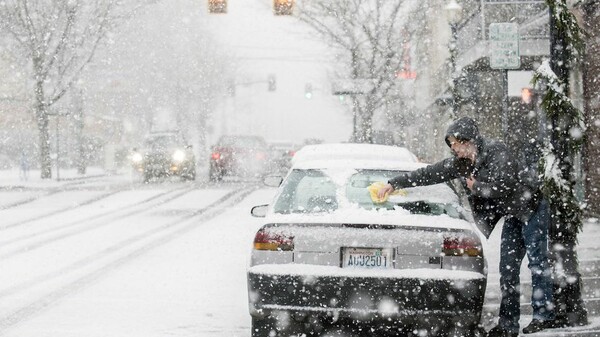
column 318, row 191
column 161, row 142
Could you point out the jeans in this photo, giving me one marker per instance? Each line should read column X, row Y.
column 517, row 239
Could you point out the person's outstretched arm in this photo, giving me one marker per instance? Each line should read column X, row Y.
column 442, row 171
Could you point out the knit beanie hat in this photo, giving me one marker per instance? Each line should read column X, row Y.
column 464, row 128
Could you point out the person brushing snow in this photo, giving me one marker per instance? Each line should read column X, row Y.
column 496, row 189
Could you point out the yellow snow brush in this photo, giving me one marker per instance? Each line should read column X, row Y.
column 376, row 186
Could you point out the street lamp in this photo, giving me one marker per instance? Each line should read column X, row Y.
column 453, row 11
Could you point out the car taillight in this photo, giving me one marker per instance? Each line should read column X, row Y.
column 265, row 240
column 215, row 156
column 461, row 246
column 291, row 153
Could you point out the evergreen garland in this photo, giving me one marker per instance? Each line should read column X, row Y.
column 557, row 188
column 558, row 184
column 567, row 25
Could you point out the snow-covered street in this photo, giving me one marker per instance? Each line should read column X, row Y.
column 110, row 256
column 163, row 259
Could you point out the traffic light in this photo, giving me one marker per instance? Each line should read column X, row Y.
column 283, row 7
column 272, row 83
column 217, row 6
column 308, row 91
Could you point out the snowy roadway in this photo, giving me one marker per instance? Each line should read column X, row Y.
column 113, row 257
column 166, row 259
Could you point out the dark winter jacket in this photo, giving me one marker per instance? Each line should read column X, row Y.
column 500, row 188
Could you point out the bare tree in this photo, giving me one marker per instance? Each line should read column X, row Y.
column 57, row 38
column 370, row 35
column 182, row 68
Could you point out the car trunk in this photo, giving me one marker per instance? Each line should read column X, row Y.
column 241, row 158
column 348, row 245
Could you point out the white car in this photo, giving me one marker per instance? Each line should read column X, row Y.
column 328, row 258
column 165, row 154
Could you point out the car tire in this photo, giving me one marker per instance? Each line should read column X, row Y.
column 214, row 175
column 263, row 328
column 476, row 331
column 191, row 175
column 339, row 333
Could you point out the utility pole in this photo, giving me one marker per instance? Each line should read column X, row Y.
column 566, row 222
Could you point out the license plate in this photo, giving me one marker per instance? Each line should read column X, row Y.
column 368, row 258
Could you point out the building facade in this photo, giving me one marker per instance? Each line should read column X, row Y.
column 493, row 96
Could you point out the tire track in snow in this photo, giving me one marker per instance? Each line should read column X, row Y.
column 164, row 234
column 58, row 211
column 29, row 200
column 65, row 187
column 91, row 223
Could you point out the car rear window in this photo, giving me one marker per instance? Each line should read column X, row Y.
column 307, row 191
column 317, row 191
column 429, row 200
column 159, row 142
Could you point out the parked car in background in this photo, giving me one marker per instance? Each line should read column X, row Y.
column 329, row 258
column 281, row 154
column 312, row 141
column 164, row 154
column 239, row 156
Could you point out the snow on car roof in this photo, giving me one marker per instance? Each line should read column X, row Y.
column 354, row 151
column 366, row 156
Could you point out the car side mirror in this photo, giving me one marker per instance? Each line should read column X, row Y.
column 273, row 180
column 259, row 211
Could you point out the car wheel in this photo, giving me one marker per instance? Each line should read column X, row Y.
column 191, row 175
column 263, row 328
column 476, row 331
column 215, row 175
column 339, row 333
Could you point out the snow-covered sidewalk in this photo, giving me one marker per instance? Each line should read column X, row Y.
column 589, row 259
column 13, row 179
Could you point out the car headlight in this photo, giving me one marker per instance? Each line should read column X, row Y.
column 178, row 156
column 137, row 158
